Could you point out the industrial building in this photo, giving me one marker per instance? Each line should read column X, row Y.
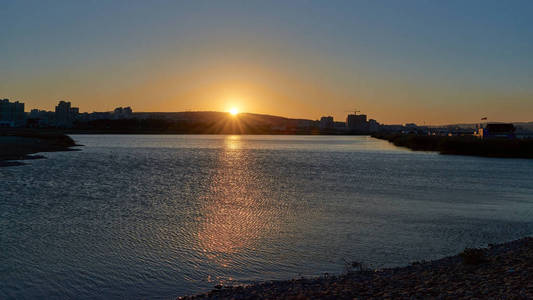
column 496, row 130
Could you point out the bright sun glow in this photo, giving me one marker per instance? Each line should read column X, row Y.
column 234, row 111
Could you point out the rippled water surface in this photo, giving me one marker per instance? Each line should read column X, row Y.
column 135, row 216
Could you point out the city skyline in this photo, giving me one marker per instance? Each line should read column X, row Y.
column 422, row 62
column 234, row 111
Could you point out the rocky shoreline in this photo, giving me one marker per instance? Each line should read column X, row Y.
column 503, row 271
column 20, row 144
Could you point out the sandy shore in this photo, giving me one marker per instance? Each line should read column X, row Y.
column 19, row 144
column 503, row 271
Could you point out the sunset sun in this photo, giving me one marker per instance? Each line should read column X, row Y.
column 233, row 111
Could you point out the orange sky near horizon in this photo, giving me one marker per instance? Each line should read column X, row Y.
column 267, row 90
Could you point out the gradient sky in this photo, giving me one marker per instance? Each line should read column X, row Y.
column 429, row 62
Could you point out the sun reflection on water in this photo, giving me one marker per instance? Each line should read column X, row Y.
column 234, row 216
column 233, row 142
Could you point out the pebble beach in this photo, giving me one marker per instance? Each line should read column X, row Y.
column 502, row 271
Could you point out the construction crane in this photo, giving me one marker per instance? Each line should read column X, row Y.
column 355, row 111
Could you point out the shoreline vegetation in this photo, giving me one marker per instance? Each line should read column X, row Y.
column 20, row 144
column 498, row 271
column 462, row 145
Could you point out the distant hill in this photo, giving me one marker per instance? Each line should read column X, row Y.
column 201, row 122
column 214, row 116
column 203, row 115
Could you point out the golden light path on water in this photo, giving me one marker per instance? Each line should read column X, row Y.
column 235, row 213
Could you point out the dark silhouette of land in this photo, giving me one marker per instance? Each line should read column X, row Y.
column 196, row 123
column 19, row 144
column 205, row 123
column 462, row 145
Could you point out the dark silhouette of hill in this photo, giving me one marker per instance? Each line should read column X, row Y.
column 208, row 122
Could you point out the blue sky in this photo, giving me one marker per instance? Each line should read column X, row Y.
column 397, row 61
